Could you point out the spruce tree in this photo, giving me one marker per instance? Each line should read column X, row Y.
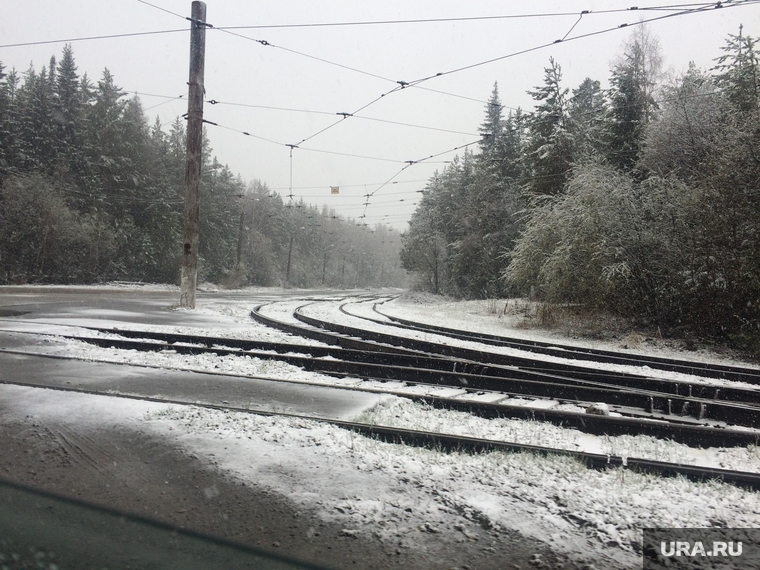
column 549, row 152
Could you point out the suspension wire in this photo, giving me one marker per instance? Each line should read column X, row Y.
column 322, row 187
column 169, row 100
column 401, row 84
column 459, row 19
column 344, row 115
column 302, row 54
column 703, row 8
column 410, row 163
column 88, row 38
column 162, row 9
column 578, row 21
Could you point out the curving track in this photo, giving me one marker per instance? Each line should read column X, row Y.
column 734, row 373
column 695, row 414
column 632, row 395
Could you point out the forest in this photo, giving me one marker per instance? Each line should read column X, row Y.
column 91, row 191
column 642, row 199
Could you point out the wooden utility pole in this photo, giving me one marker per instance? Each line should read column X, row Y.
column 290, row 255
column 194, row 155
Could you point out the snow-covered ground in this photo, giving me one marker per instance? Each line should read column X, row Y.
column 490, row 317
column 330, row 311
column 404, row 413
column 396, row 492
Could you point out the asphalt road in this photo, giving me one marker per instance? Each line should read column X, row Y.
column 30, row 309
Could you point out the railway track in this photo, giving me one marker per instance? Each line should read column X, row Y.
column 679, row 429
column 501, row 384
column 642, row 405
column 656, row 398
column 733, row 373
column 455, row 443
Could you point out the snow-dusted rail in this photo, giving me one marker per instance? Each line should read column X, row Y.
column 458, row 443
column 663, row 399
column 481, row 388
column 733, row 373
column 473, row 376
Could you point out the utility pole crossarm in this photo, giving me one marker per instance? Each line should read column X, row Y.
column 196, row 90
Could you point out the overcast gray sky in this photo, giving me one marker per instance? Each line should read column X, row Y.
column 242, row 71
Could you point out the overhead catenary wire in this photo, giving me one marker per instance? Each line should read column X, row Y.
column 463, row 18
column 89, row 38
column 402, row 84
column 701, row 7
column 344, row 115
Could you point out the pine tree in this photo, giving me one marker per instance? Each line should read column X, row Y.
column 492, row 128
column 8, row 122
column 105, row 133
column 36, row 114
column 69, row 111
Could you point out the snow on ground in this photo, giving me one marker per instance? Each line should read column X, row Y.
column 114, row 285
column 330, row 311
column 398, row 412
column 398, row 493
column 283, row 310
column 489, row 316
column 239, row 313
column 231, row 320
column 404, row 413
column 402, row 494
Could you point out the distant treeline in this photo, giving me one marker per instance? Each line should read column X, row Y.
column 643, row 198
column 91, row 192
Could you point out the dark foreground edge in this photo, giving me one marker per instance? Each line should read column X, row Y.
column 39, row 528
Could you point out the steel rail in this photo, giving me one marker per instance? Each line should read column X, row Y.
column 416, row 368
column 681, row 430
column 424, row 361
column 561, row 388
column 721, row 371
column 675, row 387
column 471, row 445
column 566, row 375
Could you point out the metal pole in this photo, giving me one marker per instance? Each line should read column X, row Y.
column 196, row 90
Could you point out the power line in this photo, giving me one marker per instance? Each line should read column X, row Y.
column 162, row 9
column 411, row 163
column 87, row 38
column 402, row 85
column 703, row 8
column 344, row 115
column 459, row 19
column 329, row 62
column 351, row 155
column 323, row 186
column 177, row 98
